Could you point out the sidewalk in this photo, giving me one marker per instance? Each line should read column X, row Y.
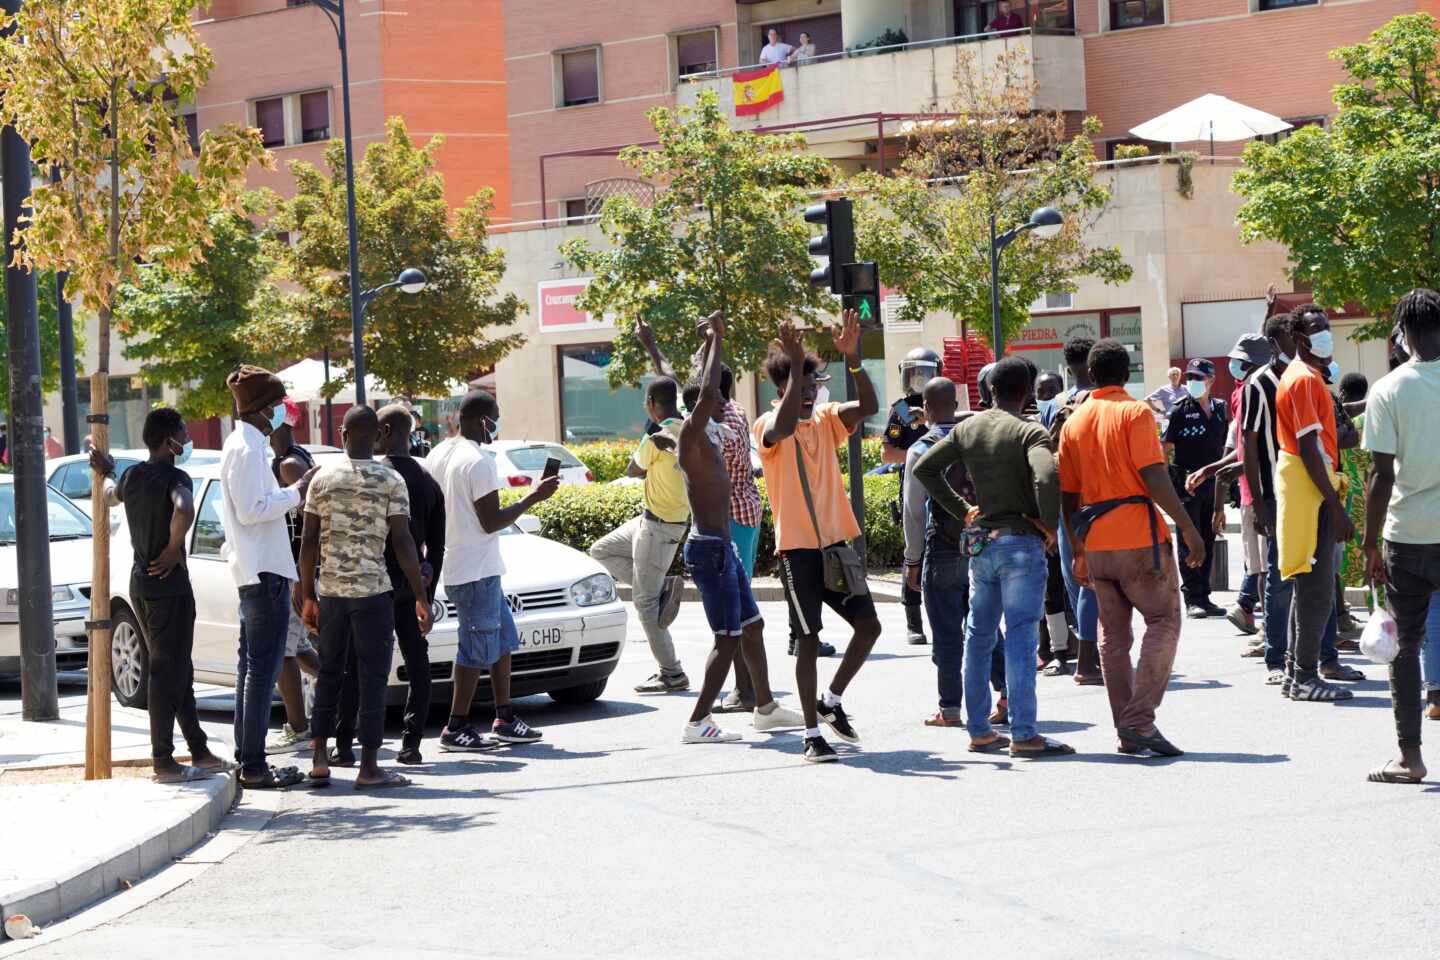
column 68, row 842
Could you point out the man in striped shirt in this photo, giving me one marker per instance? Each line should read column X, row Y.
column 1262, row 448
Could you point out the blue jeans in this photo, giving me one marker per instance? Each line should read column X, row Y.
column 1430, row 656
column 1277, row 609
column 1008, row 577
column 1082, row 599
column 487, row 627
column 946, row 591
column 1249, row 591
column 715, row 567
column 264, row 622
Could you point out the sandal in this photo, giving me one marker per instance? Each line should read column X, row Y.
column 1000, row 716
column 1052, row 748
column 939, row 720
column 1057, row 668
column 993, row 746
column 390, row 779
column 731, row 704
column 183, row 774
column 1386, row 775
column 276, row 778
column 1089, row 680
column 1342, row 671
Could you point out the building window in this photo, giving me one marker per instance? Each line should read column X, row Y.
column 695, row 53
column 1052, row 301
column 1284, row 4
column 1136, row 13
column 270, row 118
column 579, row 77
column 1295, row 124
column 192, row 129
column 575, row 211
column 589, row 409
column 315, row 116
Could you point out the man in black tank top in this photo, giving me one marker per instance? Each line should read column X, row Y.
column 291, row 461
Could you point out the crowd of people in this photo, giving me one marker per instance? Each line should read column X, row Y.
column 1036, row 527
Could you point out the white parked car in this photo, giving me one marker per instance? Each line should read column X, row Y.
column 71, row 474
column 70, row 560
column 571, row 622
column 521, row 462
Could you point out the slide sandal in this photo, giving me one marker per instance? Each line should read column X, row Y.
column 391, row 780
column 997, row 745
column 1052, row 748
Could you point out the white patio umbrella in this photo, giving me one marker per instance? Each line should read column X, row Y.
column 1211, row 117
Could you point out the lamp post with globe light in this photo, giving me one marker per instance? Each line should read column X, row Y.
column 1046, row 222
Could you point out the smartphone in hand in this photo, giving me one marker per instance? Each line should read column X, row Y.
column 552, row 468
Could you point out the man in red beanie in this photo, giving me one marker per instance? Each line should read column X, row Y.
column 257, row 549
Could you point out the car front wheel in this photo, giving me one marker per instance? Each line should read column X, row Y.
column 129, row 660
column 577, row 696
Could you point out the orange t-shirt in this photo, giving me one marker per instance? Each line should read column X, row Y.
column 817, row 439
column 1303, row 405
column 1103, row 447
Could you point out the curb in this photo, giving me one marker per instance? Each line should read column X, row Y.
column 122, row 866
column 768, row 590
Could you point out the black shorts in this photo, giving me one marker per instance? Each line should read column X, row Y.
column 802, row 574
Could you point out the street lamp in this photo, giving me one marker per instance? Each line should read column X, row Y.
column 1046, row 222
column 411, row 281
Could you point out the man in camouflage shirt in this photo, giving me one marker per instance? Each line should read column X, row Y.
column 354, row 505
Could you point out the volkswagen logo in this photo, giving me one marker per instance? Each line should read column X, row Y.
column 516, row 604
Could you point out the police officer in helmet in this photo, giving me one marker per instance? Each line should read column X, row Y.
column 907, row 425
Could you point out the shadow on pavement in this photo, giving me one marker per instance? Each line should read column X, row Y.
column 1371, row 702
column 324, row 821
column 1176, row 685
column 918, row 763
column 1189, row 757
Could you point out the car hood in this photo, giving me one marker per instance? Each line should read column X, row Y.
column 69, row 563
column 534, row 563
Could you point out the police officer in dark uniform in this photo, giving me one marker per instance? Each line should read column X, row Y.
column 1195, row 436
column 905, row 426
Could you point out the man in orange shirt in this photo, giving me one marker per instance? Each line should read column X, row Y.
column 798, row 443
column 1112, row 477
column 1311, row 518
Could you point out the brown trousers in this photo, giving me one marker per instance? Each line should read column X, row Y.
column 1126, row 581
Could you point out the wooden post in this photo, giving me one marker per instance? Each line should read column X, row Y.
column 97, row 730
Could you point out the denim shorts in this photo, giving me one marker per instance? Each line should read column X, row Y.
column 487, row 628
column 714, row 564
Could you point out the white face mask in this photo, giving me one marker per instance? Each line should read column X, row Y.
column 183, row 456
column 1322, row 344
column 493, row 427
column 1196, row 388
column 277, row 416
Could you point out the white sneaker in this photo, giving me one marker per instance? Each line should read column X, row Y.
column 778, row 719
column 707, row 732
column 288, row 740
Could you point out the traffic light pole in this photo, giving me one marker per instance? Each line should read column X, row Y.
column 857, row 479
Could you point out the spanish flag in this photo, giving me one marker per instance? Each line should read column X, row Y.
column 757, row 90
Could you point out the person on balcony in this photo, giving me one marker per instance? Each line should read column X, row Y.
column 804, row 52
column 1005, row 19
column 777, row 51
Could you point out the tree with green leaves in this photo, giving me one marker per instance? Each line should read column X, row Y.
column 191, row 328
column 417, row 346
column 91, row 86
column 49, row 340
column 724, row 233
column 1358, row 204
column 989, row 158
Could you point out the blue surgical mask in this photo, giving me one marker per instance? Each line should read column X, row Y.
column 1196, row 388
column 1334, row 371
column 1237, row 370
column 1047, row 409
column 1322, row 344
column 1285, row 358
column 494, row 427
column 277, row 416
column 183, row 456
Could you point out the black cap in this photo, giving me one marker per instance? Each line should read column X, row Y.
column 1200, row 366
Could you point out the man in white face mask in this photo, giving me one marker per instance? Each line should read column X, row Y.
column 1194, row 438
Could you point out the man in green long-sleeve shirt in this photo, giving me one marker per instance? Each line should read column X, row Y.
column 1009, row 530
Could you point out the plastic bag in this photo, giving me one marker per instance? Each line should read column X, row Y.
column 1381, row 639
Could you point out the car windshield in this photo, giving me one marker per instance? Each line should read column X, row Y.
column 533, row 458
column 66, row 521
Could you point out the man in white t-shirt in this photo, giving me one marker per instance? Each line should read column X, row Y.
column 777, row 50
column 1404, row 496
column 471, row 576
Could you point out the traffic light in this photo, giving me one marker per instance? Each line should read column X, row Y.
column 836, row 241
column 862, row 290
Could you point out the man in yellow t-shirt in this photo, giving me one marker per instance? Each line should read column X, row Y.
column 640, row 551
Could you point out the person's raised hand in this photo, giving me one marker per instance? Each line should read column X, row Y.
column 793, row 344
column 1195, row 544
column 102, row 463
column 663, row 442
column 846, row 334
column 545, row 489
column 712, row 326
column 646, row 335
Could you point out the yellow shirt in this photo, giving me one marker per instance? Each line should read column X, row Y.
column 664, row 483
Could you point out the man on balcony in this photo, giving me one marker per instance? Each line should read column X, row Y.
column 777, row 50
column 1005, row 19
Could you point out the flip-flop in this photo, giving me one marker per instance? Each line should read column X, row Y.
column 313, row 780
column 939, row 721
column 994, row 746
column 1056, row 668
column 1082, row 680
column 1052, row 748
column 185, row 774
column 1386, row 775
column 282, row 778
column 391, row 780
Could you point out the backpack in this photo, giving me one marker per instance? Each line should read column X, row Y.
column 1063, row 414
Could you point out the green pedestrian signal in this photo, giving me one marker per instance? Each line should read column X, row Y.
column 865, row 315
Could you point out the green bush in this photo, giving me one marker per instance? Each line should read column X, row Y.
column 579, row 515
column 606, row 459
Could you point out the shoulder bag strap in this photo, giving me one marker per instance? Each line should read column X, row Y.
column 805, row 489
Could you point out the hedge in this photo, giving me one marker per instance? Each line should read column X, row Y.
column 579, row 515
column 607, row 459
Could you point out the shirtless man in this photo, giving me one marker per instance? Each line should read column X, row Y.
column 713, row 560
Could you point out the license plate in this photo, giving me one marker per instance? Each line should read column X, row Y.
column 534, row 638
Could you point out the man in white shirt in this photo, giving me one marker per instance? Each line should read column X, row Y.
column 471, row 575
column 777, row 50
column 1404, row 498
column 257, row 549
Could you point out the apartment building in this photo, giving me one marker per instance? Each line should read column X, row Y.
column 437, row 63
column 582, row 74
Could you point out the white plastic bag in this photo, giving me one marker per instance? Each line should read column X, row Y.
column 1381, row 640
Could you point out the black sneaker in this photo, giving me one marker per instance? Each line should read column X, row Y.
column 516, row 731
column 818, row 751
column 834, row 718
column 822, row 650
column 409, row 755
column 468, row 739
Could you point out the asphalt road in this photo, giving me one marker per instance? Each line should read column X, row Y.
column 613, row 839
